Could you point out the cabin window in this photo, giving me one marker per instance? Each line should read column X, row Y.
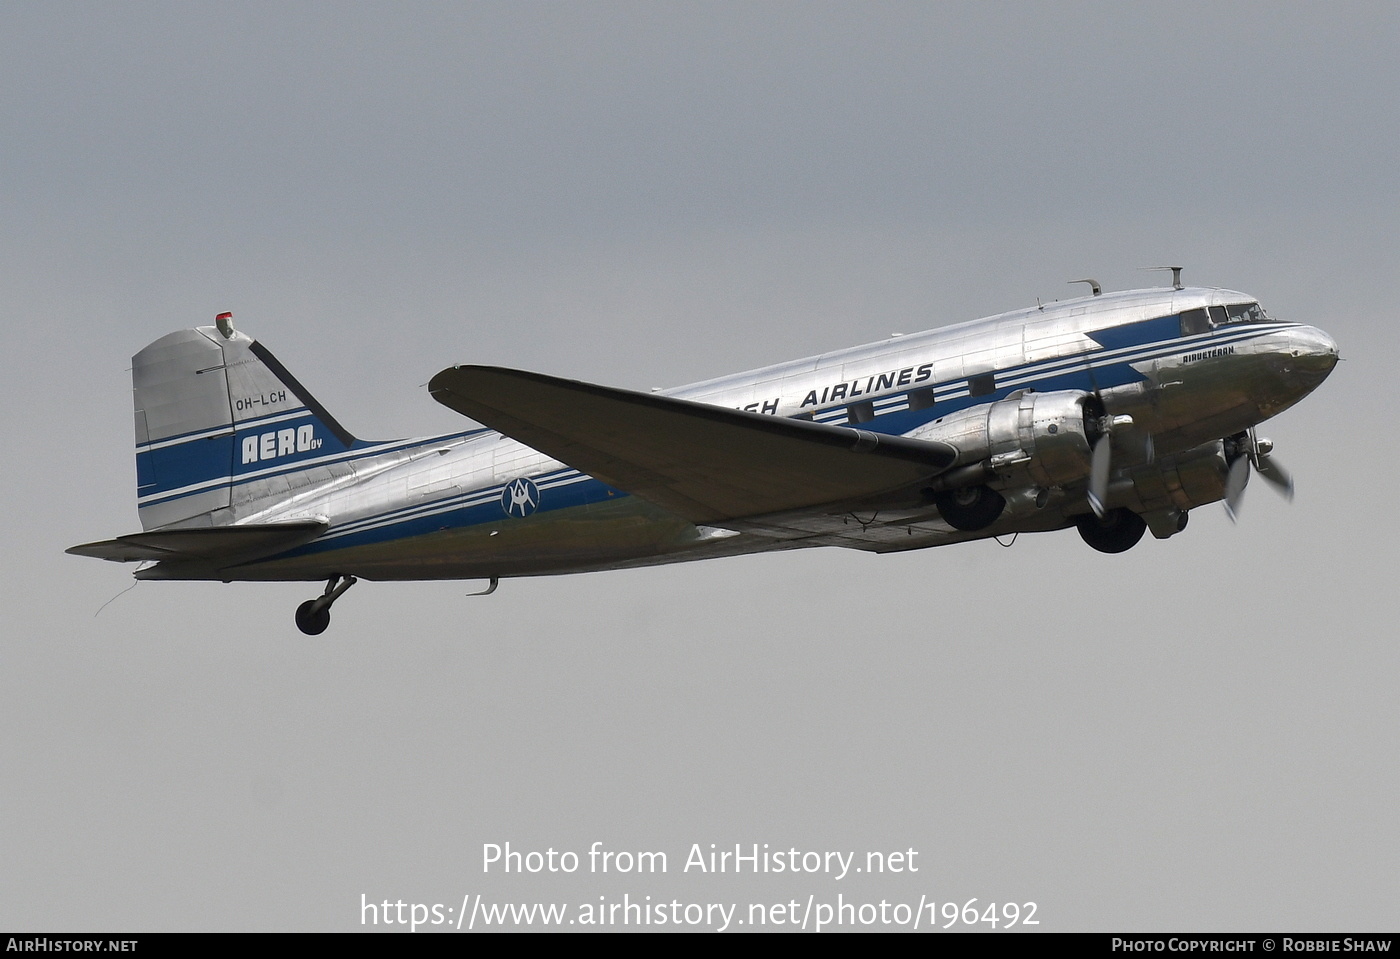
column 860, row 412
column 921, row 399
column 982, row 384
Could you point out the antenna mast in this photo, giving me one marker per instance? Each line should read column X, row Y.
column 1176, row 274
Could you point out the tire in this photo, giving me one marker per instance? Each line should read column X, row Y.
column 312, row 623
column 1118, row 532
column 969, row 508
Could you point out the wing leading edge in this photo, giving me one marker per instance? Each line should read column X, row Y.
column 705, row 463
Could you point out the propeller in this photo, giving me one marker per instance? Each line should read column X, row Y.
column 1243, row 451
column 1101, row 464
column 1100, row 467
column 1097, row 419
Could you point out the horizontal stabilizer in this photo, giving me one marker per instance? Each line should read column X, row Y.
column 705, row 463
column 204, row 543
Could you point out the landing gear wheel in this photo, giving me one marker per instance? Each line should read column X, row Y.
column 1117, row 532
column 314, row 615
column 969, row 507
column 311, row 621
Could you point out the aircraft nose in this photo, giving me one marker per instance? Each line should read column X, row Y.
column 1314, row 353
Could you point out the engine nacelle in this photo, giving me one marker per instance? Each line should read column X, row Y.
column 1040, row 439
column 1182, row 481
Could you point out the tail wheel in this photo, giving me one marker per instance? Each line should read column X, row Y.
column 1116, row 532
column 969, row 507
column 314, row 615
column 313, row 621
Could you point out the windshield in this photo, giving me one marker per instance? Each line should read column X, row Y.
column 1203, row 320
column 1246, row 313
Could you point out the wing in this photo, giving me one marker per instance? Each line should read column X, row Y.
column 705, row 463
column 207, row 543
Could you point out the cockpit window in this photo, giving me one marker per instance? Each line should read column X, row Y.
column 1194, row 321
column 1202, row 320
column 1246, row 313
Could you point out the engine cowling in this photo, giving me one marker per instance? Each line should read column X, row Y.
column 1040, row 439
column 1182, row 481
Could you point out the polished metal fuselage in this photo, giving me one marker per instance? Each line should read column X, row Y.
column 442, row 507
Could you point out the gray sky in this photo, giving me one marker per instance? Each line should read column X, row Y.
column 1199, row 734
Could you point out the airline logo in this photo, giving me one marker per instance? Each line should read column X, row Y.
column 520, row 498
column 276, row 444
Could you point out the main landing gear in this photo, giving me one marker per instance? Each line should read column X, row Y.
column 314, row 615
column 1116, row 532
column 969, row 508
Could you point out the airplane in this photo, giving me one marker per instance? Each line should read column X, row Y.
column 1113, row 413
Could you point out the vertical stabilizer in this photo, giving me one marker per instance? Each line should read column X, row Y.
column 220, row 422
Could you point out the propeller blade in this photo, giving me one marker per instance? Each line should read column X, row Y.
column 1276, row 475
column 1099, row 471
column 1234, row 486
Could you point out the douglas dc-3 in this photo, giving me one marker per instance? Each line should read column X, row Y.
column 1114, row 413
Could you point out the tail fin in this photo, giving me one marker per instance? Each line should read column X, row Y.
column 220, row 422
